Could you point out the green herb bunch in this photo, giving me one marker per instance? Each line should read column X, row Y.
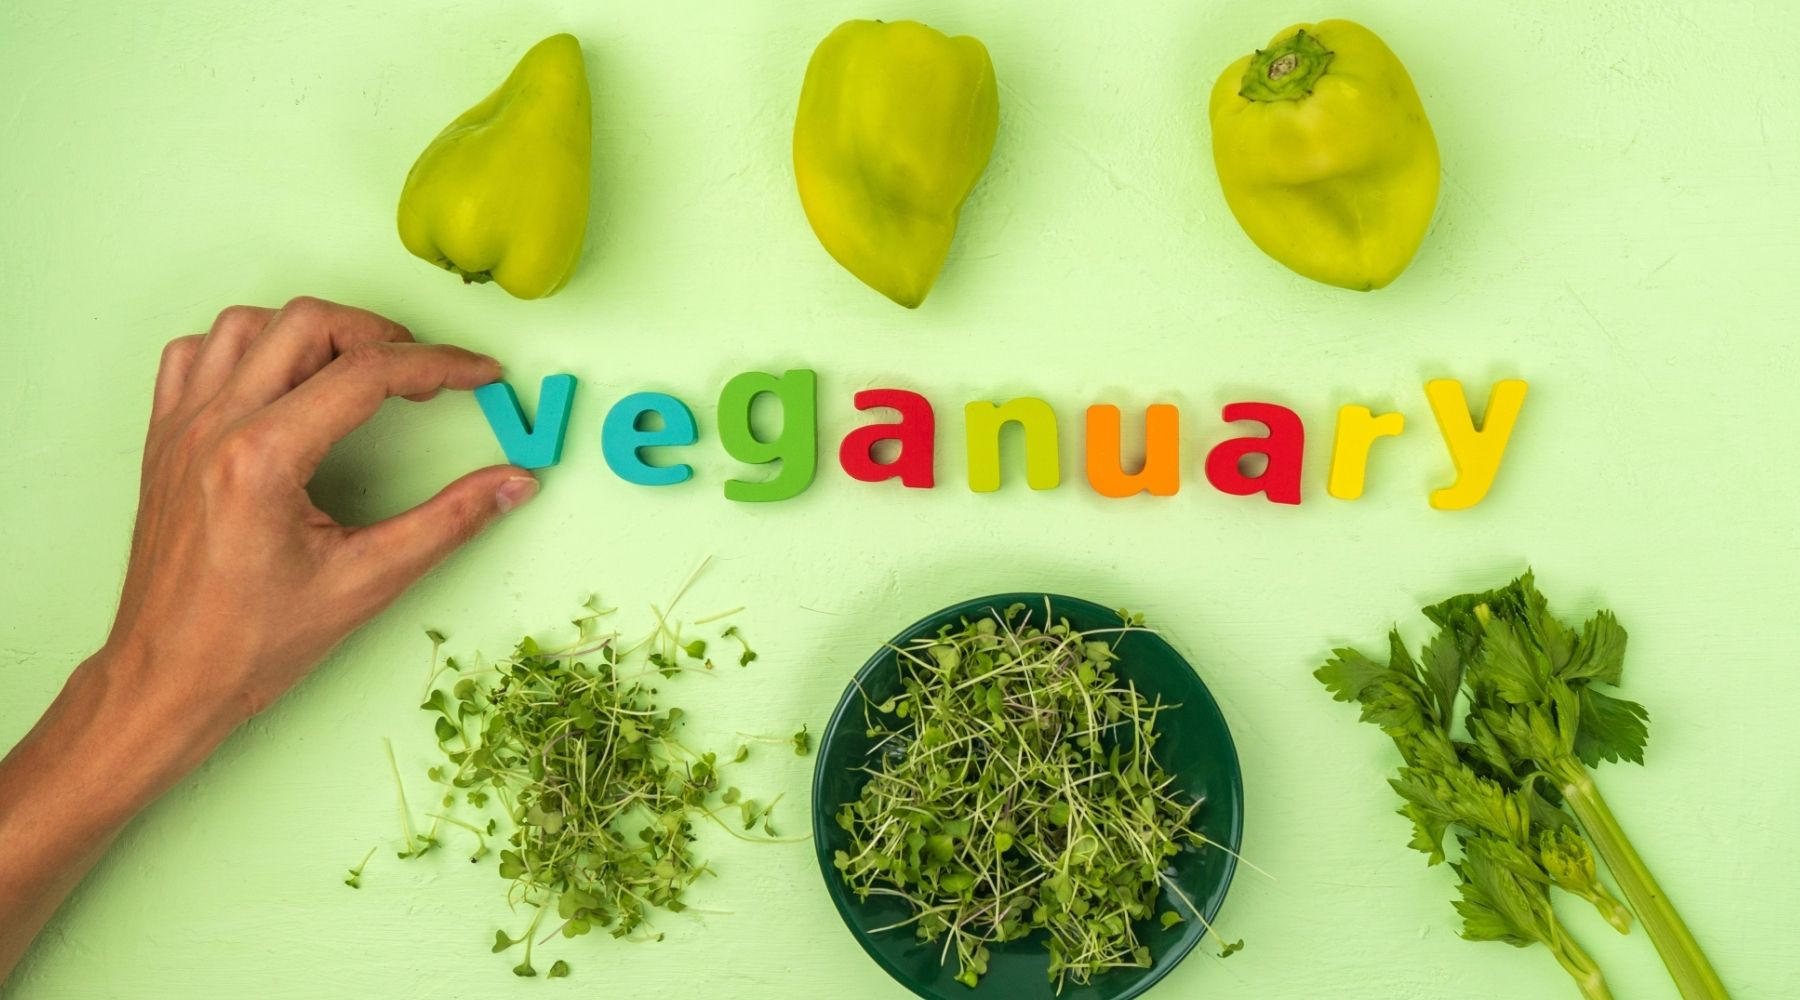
column 1014, row 788
column 601, row 795
column 1514, row 781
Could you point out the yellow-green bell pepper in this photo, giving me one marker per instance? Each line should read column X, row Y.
column 1325, row 155
column 895, row 126
column 502, row 193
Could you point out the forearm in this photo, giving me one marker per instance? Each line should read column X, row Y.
column 103, row 751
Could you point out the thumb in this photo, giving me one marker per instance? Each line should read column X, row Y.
column 398, row 551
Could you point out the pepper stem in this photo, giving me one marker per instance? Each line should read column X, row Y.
column 468, row 277
column 1287, row 70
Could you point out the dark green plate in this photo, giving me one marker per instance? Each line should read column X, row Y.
column 1195, row 747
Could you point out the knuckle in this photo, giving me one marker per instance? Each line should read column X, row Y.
column 238, row 459
column 305, row 307
column 184, row 343
column 178, row 348
column 237, row 317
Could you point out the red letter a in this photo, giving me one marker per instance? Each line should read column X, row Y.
column 1284, row 447
column 916, row 433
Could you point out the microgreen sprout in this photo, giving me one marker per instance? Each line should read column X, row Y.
column 749, row 655
column 415, row 845
column 584, row 623
column 481, row 835
column 1013, row 787
column 437, row 642
column 801, row 742
column 355, row 879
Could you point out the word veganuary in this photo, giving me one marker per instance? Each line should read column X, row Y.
column 908, row 445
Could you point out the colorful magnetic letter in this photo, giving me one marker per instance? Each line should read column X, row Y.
column 1475, row 453
column 621, row 438
column 983, row 421
column 1357, row 429
column 916, row 433
column 795, row 447
column 534, row 444
column 1161, row 474
column 1284, row 447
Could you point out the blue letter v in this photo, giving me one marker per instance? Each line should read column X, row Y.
column 538, row 445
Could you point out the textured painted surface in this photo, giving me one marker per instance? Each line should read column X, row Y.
column 1617, row 225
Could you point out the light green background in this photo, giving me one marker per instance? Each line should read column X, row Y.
column 1617, row 225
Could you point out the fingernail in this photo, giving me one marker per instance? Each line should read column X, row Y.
column 514, row 492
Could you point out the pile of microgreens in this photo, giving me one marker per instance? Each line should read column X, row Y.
column 1013, row 787
column 601, row 795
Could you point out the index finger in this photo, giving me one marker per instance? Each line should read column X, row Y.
column 301, row 338
column 303, row 425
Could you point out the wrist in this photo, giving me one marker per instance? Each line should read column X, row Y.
column 122, row 721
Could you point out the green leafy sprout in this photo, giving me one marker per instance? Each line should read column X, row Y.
column 355, row 879
column 1514, row 782
column 748, row 655
column 1014, row 788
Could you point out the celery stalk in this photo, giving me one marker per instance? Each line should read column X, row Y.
column 1681, row 954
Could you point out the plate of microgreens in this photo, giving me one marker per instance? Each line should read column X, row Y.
column 1028, row 795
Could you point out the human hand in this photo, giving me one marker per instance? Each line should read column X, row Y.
column 237, row 584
